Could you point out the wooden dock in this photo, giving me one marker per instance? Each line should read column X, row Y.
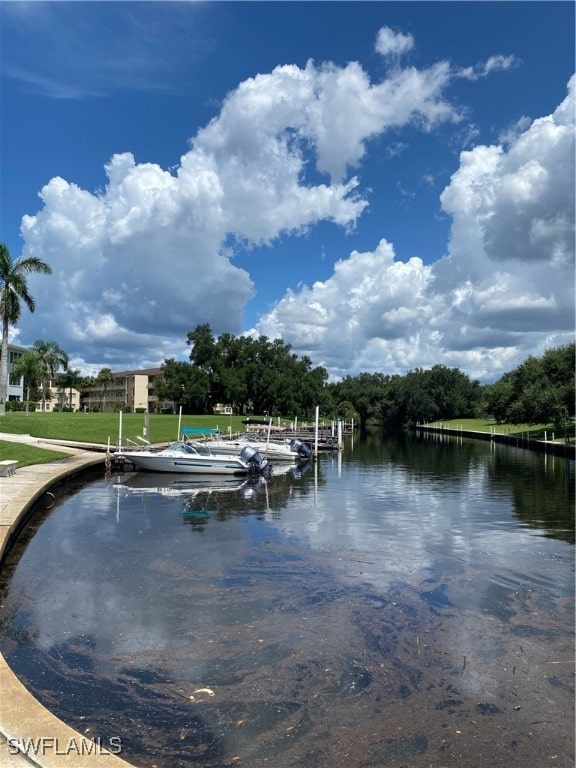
column 327, row 437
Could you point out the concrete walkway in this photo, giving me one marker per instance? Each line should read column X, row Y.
column 30, row 735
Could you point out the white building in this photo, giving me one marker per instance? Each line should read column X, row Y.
column 15, row 385
column 130, row 390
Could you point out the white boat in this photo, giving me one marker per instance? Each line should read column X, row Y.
column 288, row 450
column 185, row 458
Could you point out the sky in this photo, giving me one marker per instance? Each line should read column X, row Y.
column 384, row 186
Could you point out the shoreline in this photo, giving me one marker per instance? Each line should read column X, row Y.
column 29, row 733
column 568, row 451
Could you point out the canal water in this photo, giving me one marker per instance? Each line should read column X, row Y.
column 406, row 603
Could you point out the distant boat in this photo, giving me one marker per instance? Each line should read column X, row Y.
column 185, row 458
column 277, row 450
column 288, row 450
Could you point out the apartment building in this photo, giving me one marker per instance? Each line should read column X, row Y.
column 130, row 390
column 59, row 397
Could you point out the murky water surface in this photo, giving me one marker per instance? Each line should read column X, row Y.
column 407, row 603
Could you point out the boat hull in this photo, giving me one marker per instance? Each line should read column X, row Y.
column 188, row 465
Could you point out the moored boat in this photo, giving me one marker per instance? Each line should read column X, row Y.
column 186, row 458
column 286, row 450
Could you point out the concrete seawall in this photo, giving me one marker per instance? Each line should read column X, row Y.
column 30, row 735
column 517, row 441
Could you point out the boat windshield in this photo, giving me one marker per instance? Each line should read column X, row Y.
column 181, row 448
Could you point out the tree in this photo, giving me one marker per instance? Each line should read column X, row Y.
column 257, row 374
column 13, row 290
column 30, row 368
column 366, row 392
column 539, row 391
column 52, row 357
column 206, row 356
column 497, row 398
column 414, row 399
column 72, row 380
column 86, row 385
column 540, row 403
column 184, row 384
column 105, row 377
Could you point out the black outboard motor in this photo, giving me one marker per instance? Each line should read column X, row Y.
column 303, row 449
column 257, row 463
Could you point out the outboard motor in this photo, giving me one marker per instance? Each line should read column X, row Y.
column 303, row 449
column 255, row 460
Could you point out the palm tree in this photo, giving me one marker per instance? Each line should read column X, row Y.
column 13, row 289
column 30, row 368
column 85, row 390
column 105, row 377
column 72, row 380
column 52, row 357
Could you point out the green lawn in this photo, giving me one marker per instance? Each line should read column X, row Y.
column 94, row 428
column 28, row 454
column 104, row 427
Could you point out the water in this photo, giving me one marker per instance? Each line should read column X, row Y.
column 407, row 603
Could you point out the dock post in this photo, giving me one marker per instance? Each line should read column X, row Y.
column 316, row 432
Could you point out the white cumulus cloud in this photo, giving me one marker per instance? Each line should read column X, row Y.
column 504, row 290
column 390, row 43
column 150, row 256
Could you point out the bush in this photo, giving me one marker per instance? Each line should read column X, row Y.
column 20, row 405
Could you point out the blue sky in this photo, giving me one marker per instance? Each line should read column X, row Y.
column 383, row 185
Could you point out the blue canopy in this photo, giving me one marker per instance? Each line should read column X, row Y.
column 200, row 431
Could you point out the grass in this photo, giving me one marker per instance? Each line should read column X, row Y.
column 98, row 428
column 104, row 427
column 29, row 454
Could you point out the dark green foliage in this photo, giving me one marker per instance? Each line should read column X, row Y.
column 437, row 394
column 420, row 396
column 187, row 385
column 20, row 406
column 366, row 393
column 539, row 391
column 266, row 377
column 255, row 375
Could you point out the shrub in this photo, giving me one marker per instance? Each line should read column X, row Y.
column 20, row 405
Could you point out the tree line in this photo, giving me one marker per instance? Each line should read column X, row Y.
column 265, row 377
column 539, row 391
